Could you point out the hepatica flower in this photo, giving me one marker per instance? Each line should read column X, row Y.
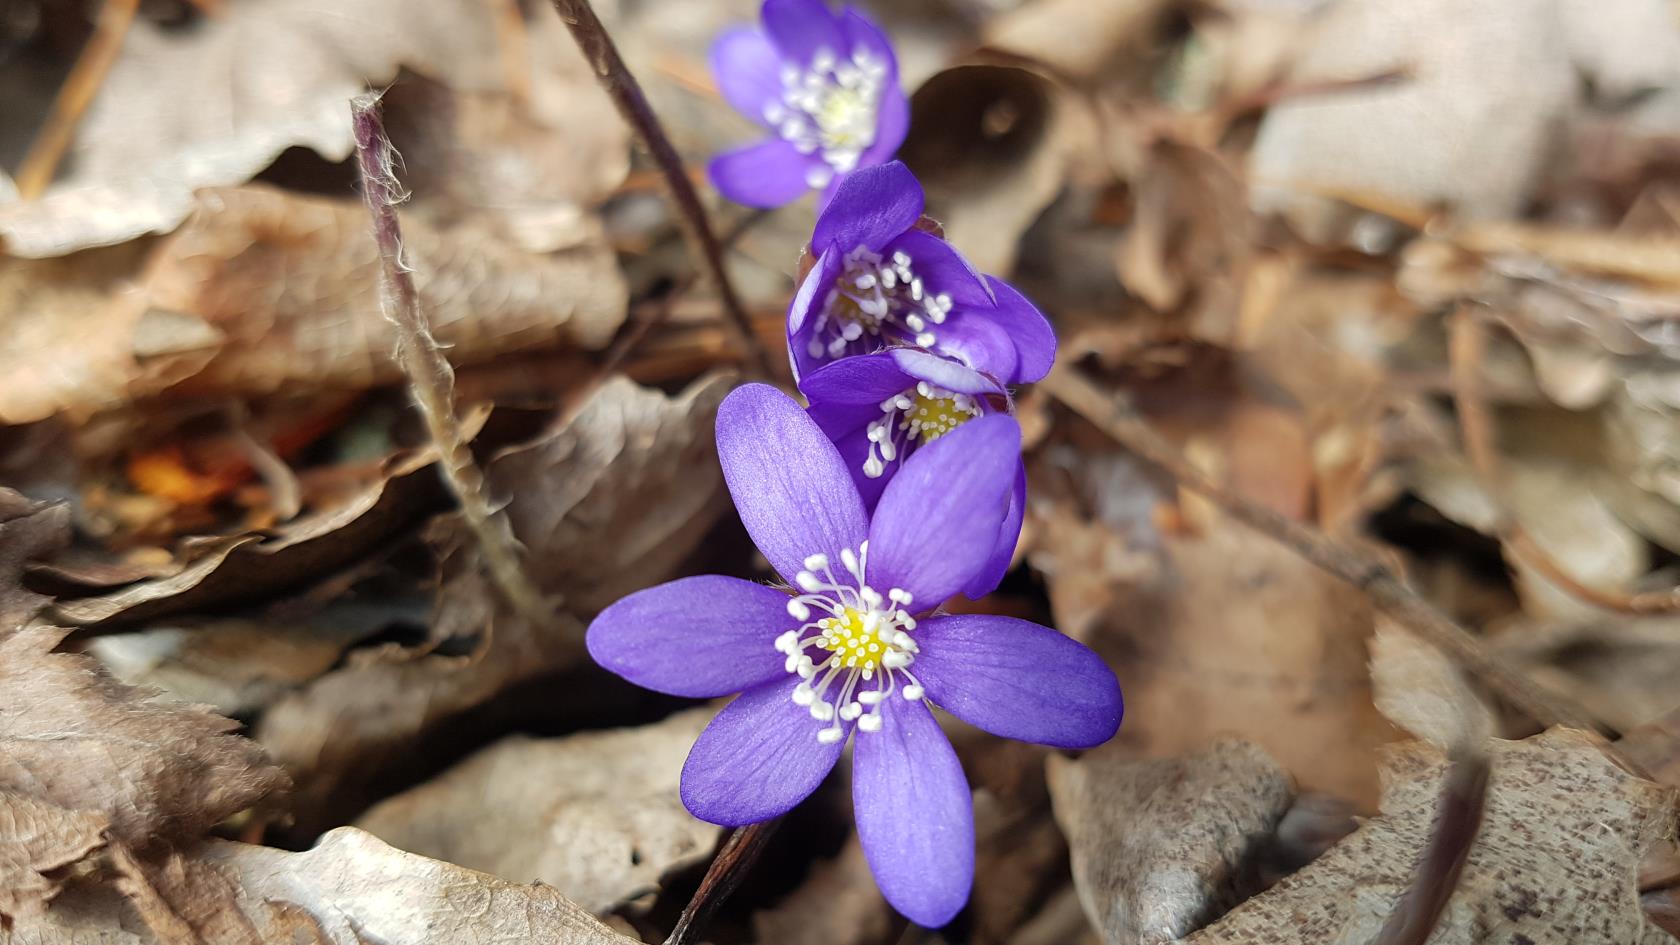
column 857, row 645
column 824, row 85
column 879, row 281
column 880, row 409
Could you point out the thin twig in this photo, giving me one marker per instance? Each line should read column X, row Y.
column 1466, row 348
column 86, row 78
column 1458, row 819
column 1354, row 565
column 728, row 868
column 626, row 93
column 430, row 375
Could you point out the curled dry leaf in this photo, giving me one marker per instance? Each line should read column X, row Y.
column 1419, row 689
column 617, row 496
column 1622, row 669
column 595, row 815
column 27, row 530
column 1554, row 863
column 72, row 736
column 37, row 842
column 350, row 889
column 1160, row 847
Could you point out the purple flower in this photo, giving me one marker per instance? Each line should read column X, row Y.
column 825, row 86
column 881, row 408
column 878, row 281
column 858, row 646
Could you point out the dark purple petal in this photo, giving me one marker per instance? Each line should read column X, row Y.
column 1017, row 679
column 978, row 339
column 793, row 493
column 846, row 394
column 938, row 519
column 943, row 269
column 757, row 759
column 871, row 207
column 767, row 174
column 1034, row 339
column 698, row 637
column 1009, row 534
column 943, row 372
column 915, row 815
column 748, row 70
column 801, row 27
column 802, row 312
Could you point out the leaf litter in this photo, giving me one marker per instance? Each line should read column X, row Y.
column 258, row 685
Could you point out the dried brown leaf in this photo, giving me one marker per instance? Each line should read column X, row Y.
column 1080, row 39
column 73, row 737
column 838, row 904
column 595, row 815
column 1622, row 669
column 38, row 839
column 1420, row 689
column 27, row 530
column 1554, row 863
column 1161, row 847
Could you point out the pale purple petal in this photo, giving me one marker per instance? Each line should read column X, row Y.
column 938, row 521
column 802, row 312
column 767, row 174
column 1003, row 553
column 871, row 207
column 801, row 27
column 915, row 815
column 1017, row 679
column 698, row 637
column 978, row 339
column 790, row 487
column 846, row 394
column 748, row 70
column 943, row 269
column 757, row 759
column 1034, row 339
column 943, row 372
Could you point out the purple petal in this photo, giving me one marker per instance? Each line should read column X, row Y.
column 698, row 637
column 1035, row 340
column 943, row 372
column 757, row 759
column 802, row 312
column 892, row 123
column 846, row 394
column 767, row 174
column 915, row 815
column 978, row 339
column 1009, row 533
column 1017, row 679
column 801, row 27
column 943, row 269
column 854, row 449
column 862, row 33
column 938, row 520
column 790, row 487
column 871, row 207
column 748, row 70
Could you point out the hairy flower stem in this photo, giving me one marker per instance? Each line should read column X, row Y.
column 728, row 868
column 1458, row 819
column 430, row 376
column 626, row 93
column 1362, row 569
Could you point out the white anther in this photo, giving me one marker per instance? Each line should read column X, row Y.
column 822, row 711
column 913, row 692
column 798, row 611
column 898, row 595
column 870, row 723
column 871, row 697
column 816, row 562
column 850, row 711
column 808, row 582
column 925, row 339
column 802, row 695
column 829, row 736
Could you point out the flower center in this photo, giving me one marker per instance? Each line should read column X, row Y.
column 876, row 299
column 917, row 416
column 853, row 656
column 829, row 110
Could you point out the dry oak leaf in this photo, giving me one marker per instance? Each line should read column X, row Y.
column 72, row 736
column 1555, row 862
column 350, row 889
column 213, row 104
column 1162, row 846
column 596, row 815
column 37, row 840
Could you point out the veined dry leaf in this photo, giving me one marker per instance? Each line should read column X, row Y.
column 27, row 529
column 596, row 815
column 73, row 737
column 350, row 889
column 1162, row 846
column 611, row 501
column 838, row 904
column 1420, row 689
column 37, row 841
column 1554, row 862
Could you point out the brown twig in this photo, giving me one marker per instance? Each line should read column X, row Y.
column 626, row 93
column 430, row 375
column 728, row 868
column 84, row 82
column 1356, row 566
column 1467, row 345
column 1458, row 819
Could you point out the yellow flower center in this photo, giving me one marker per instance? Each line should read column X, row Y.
column 854, row 637
column 934, row 413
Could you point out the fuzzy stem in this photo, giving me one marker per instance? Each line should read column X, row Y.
column 626, row 94
column 728, row 868
column 430, row 376
column 1362, row 569
column 1458, row 819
